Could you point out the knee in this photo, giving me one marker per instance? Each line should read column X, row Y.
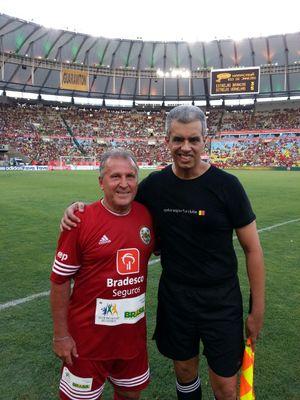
column 225, row 393
column 185, row 373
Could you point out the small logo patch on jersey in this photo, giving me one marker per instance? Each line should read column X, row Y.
column 128, row 261
column 75, row 382
column 145, row 235
column 104, row 240
column 62, row 256
column 201, row 213
column 110, row 309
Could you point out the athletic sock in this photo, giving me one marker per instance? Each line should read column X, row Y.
column 189, row 391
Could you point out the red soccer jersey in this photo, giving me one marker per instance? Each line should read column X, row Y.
column 107, row 256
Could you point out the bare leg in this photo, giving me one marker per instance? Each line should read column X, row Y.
column 188, row 385
column 223, row 388
column 128, row 395
column 186, row 370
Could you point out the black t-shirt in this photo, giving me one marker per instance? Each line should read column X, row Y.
column 194, row 221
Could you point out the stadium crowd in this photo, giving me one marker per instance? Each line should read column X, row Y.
column 45, row 134
column 256, row 152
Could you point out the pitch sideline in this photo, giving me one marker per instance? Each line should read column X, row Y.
column 16, row 302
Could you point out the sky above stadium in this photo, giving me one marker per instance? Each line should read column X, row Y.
column 161, row 19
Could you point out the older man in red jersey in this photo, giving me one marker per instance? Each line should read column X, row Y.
column 100, row 326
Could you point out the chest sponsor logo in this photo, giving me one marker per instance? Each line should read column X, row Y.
column 80, row 384
column 145, row 235
column 128, row 261
column 121, row 287
column 183, row 211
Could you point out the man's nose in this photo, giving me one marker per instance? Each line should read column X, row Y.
column 123, row 182
column 186, row 145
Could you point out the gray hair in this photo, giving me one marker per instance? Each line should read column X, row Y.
column 117, row 153
column 186, row 114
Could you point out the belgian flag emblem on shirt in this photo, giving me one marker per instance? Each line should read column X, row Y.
column 201, row 212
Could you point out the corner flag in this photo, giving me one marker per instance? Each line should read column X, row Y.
column 247, row 374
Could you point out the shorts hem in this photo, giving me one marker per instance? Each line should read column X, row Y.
column 172, row 356
column 223, row 375
column 138, row 388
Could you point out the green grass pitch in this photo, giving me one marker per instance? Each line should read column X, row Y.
column 31, row 206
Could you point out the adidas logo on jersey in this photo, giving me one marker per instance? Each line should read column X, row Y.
column 104, row 240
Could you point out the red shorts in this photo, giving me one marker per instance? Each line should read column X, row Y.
column 85, row 379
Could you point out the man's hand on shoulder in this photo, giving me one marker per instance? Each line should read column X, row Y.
column 69, row 219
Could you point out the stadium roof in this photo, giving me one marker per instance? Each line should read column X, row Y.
column 32, row 58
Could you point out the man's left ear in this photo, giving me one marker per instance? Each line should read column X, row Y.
column 167, row 139
column 100, row 182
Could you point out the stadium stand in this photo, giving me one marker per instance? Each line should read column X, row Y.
column 36, row 60
column 236, row 138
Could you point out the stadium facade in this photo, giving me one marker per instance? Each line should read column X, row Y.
column 34, row 59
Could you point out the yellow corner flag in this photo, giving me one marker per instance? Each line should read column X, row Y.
column 247, row 374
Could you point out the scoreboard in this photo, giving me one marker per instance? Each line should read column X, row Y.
column 234, row 81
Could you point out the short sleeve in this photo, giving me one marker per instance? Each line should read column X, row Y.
column 142, row 193
column 67, row 257
column 238, row 204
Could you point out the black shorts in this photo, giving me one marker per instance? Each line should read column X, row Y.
column 214, row 315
